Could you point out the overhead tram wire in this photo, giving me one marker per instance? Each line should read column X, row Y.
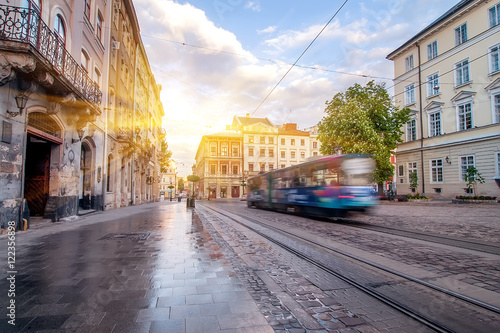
column 296, row 61
column 277, row 62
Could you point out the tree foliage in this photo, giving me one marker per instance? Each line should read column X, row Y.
column 164, row 156
column 472, row 177
column 180, row 185
column 363, row 120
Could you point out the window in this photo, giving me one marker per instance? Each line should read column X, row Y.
column 283, row 154
column 302, row 142
column 494, row 58
column 411, row 130
column 263, row 167
column 462, row 73
column 282, row 166
column 85, row 61
column 315, row 153
column 496, row 108
column 461, row 34
column 434, row 124
column 262, row 139
column 437, row 171
column 464, row 112
column 236, row 151
column 465, row 162
column 250, row 166
column 315, row 144
column 250, row 151
column 262, row 152
column 292, row 142
column 213, row 150
column 271, row 167
column 409, row 63
column 432, row 50
column 302, row 154
column 271, row 140
column 412, row 168
column 224, row 169
column 494, row 14
column 401, row 171
column 292, row 154
column 86, row 9
column 271, row 152
column 97, row 76
column 235, row 169
column 212, row 169
column 283, row 142
column 224, row 150
column 250, row 139
column 60, row 29
column 498, row 163
column 433, row 85
column 98, row 30
column 410, row 94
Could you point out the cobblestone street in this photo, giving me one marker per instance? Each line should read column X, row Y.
column 161, row 268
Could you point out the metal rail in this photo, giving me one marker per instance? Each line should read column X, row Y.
column 402, row 308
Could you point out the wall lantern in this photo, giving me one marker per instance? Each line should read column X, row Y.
column 21, row 101
column 448, row 160
column 80, row 133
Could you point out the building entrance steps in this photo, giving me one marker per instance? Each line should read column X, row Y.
column 148, row 268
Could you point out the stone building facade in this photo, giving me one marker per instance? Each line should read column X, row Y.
column 249, row 146
column 57, row 118
column 449, row 76
column 219, row 164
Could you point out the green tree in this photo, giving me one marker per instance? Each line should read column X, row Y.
column 180, row 185
column 413, row 180
column 472, row 177
column 363, row 120
column 164, row 156
column 193, row 179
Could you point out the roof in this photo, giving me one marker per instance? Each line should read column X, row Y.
column 247, row 121
column 226, row 134
column 452, row 11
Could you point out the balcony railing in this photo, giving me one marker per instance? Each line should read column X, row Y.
column 26, row 26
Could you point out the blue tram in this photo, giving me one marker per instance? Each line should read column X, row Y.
column 329, row 186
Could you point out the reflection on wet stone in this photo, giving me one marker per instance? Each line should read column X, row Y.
column 157, row 271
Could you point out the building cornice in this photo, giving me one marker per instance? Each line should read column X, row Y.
column 456, row 12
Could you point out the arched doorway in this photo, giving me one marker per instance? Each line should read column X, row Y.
column 43, row 140
column 85, row 193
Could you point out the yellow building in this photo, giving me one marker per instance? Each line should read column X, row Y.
column 449, row 76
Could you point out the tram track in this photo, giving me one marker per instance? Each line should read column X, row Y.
column 434, row 238
column 366, row 288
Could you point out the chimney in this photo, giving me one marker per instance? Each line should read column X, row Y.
column 290, row 127
column 248, row 115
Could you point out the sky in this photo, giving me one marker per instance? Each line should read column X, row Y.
column 216, row 59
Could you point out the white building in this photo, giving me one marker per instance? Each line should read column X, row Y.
column 448, row 74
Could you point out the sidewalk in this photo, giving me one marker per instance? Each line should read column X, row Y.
column 148, row 268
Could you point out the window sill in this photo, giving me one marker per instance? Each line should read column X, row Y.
column 434, row 96
column 469, row 83
column 409, row 104
column 494, row 72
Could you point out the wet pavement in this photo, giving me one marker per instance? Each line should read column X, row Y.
column 152, row 268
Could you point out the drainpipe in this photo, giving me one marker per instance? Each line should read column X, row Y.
column 421, row 118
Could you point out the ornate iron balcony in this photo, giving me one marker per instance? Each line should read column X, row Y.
column 26, row 26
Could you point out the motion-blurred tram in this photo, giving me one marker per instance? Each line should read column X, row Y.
column 330, row 186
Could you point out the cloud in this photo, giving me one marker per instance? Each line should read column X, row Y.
column 268, row 30
column 253, row 5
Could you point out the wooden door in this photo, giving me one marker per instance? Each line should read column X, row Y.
column 235, row 192
column 36, row 188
